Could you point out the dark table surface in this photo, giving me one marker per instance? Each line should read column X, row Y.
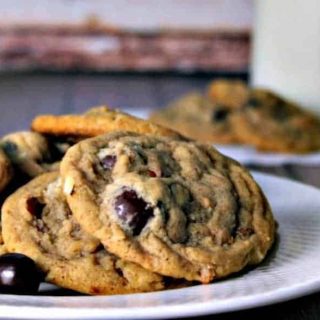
column 24, row 96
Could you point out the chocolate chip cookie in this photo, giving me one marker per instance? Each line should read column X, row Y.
column 197, row 117
column 37, row 222
column 175, row 207
column 267, row 121
column 96, row 121
column 30, row 152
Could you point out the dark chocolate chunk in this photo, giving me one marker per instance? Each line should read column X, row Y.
column 152, row 174
column 35, row 207
column 253, row 102
column 10, row 149
column 133, row 211
column 220, row 114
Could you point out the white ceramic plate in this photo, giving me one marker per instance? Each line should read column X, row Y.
column 249, row 155
column 291, row 270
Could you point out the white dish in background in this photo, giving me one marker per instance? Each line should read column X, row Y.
column 291, row 270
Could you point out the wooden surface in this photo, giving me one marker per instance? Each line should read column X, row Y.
column 24, row 96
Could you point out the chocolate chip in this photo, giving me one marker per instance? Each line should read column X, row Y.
column 152, row 174
column 163, row 211
column 133, row 211
column 220, row 114
column 280, row 111
column 108, row 162
column 35, row 207
column 244, row 232
column 100, row 247
column 119, row 272
column 253, row 102
column 11, row 149
column 142, row 156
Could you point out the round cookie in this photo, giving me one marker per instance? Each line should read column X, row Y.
column 96, row 121
column 37, row 222
column 6, row 170
column 272, row 124
column 175, row 207
column 30, row 152
column 195, row 116
column 267, row 121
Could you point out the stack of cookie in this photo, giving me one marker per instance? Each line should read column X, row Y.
column 231, row 112
column 138, row 208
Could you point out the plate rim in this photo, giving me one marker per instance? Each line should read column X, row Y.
column 167, row 312
column 175, row 310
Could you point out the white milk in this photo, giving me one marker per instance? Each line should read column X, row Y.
column 286, row 49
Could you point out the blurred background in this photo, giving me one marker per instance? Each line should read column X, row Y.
column 67, row 55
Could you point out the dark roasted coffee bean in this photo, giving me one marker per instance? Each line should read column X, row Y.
column 108, row 162
column 133, row 211
column 35, row 207
column 18, row 274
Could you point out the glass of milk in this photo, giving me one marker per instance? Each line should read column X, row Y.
column 286, row 49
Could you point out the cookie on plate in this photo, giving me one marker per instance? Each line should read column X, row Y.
column 96, row 121
column 266, row 120
column 197, row 117
column 37, row 222
column 175, row 207
column 30, row 152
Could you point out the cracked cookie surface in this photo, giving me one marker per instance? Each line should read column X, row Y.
column 37, row 222
column 175, row 207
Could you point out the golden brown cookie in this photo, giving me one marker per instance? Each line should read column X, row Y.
column 197, row 117
column 95, row 122
column 37, row 222
column 267, row 121
column 176, row 207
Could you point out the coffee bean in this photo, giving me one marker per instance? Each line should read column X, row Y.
column 19, row 274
